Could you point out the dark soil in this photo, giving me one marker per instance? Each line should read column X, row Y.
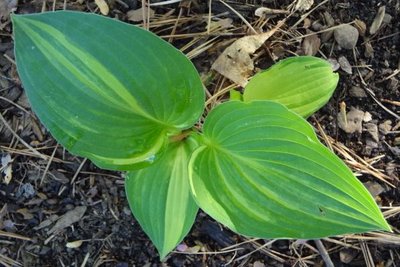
column 41, row 190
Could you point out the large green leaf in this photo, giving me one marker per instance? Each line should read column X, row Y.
column 262, row 172
column 160, row 198
column 106, row 90
column 303, row 84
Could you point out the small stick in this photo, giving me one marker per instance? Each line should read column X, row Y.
column 78, row 171
column 13, row 235
column 324, row 254
column 48, row 164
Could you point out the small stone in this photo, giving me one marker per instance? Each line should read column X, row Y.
column 345, row 65
column 346, row 36
column 334, row 63
column 347, row 255
column 356, row 91
column 367, row 117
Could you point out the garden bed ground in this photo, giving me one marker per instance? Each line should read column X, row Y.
column 47, row 182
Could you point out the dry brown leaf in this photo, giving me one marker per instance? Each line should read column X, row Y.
column 311, row 45
column 137, row 14
column 352, row 121
column 68, row 219
column 235, row 62
column 103, row 6
column 361, row 26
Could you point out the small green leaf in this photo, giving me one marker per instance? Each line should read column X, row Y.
column 262, row 172
column 106, row 90
column 160, row 198
column 303, row 84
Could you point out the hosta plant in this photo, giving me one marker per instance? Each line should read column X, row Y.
column 127, row 100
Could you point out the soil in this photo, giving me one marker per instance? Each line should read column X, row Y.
column 43, row 189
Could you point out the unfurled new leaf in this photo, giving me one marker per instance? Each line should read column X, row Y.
column 262, row 172
column 106, row 90
column 160, row 197
column 303, row 84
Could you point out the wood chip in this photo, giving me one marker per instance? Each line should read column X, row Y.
column 376, row 24
column 356, row 91
column 369, row 50
column 103, row 6
column 372, row 129
column 68, row 219
column 258, row 264
column 304, row 5
column 74, row 244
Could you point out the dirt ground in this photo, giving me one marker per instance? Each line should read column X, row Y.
column 38, row 187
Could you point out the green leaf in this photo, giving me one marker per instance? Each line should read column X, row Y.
column 303, row 84
column 160, row 198
column 262, row 172
column 106, row 90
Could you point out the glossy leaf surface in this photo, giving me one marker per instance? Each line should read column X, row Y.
column 262, row 172
column 106, row 90
column 160, row 198
column 303, row 84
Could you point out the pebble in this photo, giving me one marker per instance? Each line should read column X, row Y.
column 346, row 36
column 356, row 91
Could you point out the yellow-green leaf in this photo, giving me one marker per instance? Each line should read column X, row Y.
column 303, row 84
column 160, row 198
column 262, row 172
column 106, row 90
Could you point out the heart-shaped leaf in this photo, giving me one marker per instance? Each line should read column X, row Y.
column 303, row 84
column 160, row 198
column 262, row 172
column 106, row 90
